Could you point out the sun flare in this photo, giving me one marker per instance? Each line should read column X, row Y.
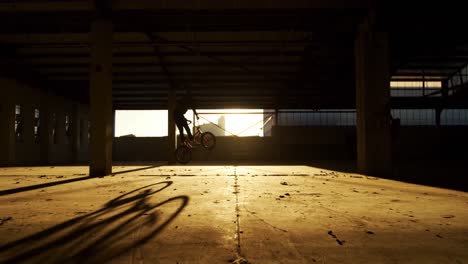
column 228, row 122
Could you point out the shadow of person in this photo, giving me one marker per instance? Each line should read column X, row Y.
column 121, row 225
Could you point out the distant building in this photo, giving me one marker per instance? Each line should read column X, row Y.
column 217, row 130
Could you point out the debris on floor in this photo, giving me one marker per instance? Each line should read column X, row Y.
column 239, row 260
column 340, row 242
column 273, row 221
column 5, row 219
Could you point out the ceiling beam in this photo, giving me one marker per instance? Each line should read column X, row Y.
column 192, row 64
column 84, row 54
column 12, row 66
column 42, row 6
column 182, row 5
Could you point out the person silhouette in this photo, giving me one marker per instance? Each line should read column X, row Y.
column 181, row 108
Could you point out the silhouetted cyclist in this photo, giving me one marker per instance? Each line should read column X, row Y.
column 181, row 122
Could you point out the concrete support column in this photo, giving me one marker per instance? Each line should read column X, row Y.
column 113, row 123
column 373, row 102
column 7, row 127
column 101, row 98
column 171, row 130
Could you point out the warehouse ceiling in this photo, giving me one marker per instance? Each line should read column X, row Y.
column 229, row 54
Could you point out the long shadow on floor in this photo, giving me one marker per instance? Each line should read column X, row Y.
column 122, row 224
column 43, row 185
column 50, row 184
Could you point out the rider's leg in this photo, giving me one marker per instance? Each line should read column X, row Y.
column 189, row 133
column 181, row 131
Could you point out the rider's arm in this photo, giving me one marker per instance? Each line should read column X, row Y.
column 196, row 114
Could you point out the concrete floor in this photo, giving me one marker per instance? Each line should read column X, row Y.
column 226, row 214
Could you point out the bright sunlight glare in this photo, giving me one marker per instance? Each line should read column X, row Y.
column 221, row 122
column 141, row 123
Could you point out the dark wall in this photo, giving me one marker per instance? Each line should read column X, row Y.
column 227, row 148
column 307, row 143
column 139, row 148
column 29, row 151
column 287, row 143
column 423, row 143
column 239, row 149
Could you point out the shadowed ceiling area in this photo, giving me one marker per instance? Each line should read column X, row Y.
column 229, row 54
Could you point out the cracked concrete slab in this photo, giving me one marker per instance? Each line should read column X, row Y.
column 226, row 214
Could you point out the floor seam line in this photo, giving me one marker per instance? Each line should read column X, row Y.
column 236, row 191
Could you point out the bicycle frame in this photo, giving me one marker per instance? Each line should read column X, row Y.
column 197, row 133
column 206, row 140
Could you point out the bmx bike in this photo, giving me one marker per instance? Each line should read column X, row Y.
column 207, row 140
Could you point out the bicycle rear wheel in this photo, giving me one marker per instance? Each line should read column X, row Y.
column 183, row 154
column 208, row 140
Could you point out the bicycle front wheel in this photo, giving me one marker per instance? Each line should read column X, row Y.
column 183, row 154
column 208, row 140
